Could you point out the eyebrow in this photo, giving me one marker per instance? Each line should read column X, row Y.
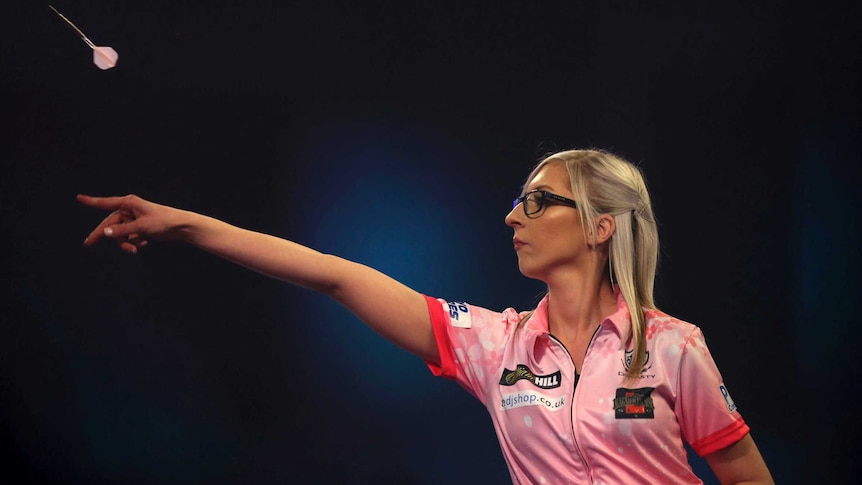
column 538, row 187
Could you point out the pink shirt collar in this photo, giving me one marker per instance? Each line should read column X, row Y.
column 620, row 320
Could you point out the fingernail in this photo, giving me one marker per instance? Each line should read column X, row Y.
column 109, row 231
column 86, row 239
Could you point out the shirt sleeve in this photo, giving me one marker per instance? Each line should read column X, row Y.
column 470, row 342
column 439, row 320
column 707, row 415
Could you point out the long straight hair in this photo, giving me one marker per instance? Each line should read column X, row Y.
column 604, row 183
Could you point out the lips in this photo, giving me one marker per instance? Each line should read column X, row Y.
column 517, row 243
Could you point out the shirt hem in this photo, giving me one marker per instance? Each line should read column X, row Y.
column 721, row 439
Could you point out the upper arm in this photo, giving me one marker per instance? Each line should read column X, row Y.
column 392, row 309
column 739, row 463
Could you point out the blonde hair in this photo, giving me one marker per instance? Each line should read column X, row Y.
column 604, row 183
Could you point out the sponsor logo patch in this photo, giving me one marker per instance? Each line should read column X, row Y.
column 634, row 403
column 531, row 398
column 731, row 406
column 548, row 381
column 459, row 315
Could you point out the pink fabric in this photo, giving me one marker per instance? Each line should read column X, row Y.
column 600, row 429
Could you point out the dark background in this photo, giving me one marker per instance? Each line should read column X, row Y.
column 396, row 134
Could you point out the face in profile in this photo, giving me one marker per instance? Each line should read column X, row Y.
column 548, row 234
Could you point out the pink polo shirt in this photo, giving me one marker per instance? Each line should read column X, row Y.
column 557, row 427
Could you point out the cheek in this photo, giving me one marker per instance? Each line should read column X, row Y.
column 566, row 243
column 565, row 232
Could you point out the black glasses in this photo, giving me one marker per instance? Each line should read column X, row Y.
column 534, row 201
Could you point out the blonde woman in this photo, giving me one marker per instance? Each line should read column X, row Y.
column 594, row 385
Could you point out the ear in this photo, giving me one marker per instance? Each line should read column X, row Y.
column 605, row 228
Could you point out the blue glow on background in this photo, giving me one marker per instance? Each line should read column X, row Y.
column 382, row 196
column 827, row 251
column 125, row 415
column 827, row 282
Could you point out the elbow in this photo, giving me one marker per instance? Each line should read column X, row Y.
column 332, row 279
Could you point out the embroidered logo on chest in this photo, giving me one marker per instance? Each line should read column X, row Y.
column 628, row 357
column 634, row 403
column 548, row 381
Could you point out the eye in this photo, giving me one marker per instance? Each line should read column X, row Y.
column 534, row 201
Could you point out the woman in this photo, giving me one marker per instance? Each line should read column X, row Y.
column 595, row 385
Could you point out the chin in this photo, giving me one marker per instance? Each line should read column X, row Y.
column 529, row 272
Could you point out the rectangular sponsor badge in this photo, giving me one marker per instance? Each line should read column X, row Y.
column 459, row 315
column 531, row 398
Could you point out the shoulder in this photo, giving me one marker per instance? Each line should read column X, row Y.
column 659, row 322
column 465, row 315
column 673, row 338
column 663, row 329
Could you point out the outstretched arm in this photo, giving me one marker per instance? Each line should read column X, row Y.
column 390, row 308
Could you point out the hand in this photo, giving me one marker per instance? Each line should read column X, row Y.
column 133, row 221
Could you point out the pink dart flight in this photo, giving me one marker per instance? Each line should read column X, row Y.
column 103, row 56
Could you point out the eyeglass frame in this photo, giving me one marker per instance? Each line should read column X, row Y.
column 546, row 197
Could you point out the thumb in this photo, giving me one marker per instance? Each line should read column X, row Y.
column 122, row 230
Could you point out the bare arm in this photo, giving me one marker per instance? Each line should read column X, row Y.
column 387, row 306
column 740, row 463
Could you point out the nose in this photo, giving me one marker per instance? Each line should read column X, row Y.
column 513, row 218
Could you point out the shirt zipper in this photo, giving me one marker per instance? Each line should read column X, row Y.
column 574, row 391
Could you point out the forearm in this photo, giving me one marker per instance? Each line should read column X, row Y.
column 269, row 255
column 392, row 309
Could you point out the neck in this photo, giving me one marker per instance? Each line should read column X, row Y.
column 577, row 304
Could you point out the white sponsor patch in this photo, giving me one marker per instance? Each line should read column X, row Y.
column 531, row 398
column 731, row 406
column 459, row 315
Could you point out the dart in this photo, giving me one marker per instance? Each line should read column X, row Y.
column 103, row 56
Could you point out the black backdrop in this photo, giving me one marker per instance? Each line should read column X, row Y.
column 396, row 134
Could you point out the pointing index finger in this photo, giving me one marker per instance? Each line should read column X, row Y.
column 107, row 203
